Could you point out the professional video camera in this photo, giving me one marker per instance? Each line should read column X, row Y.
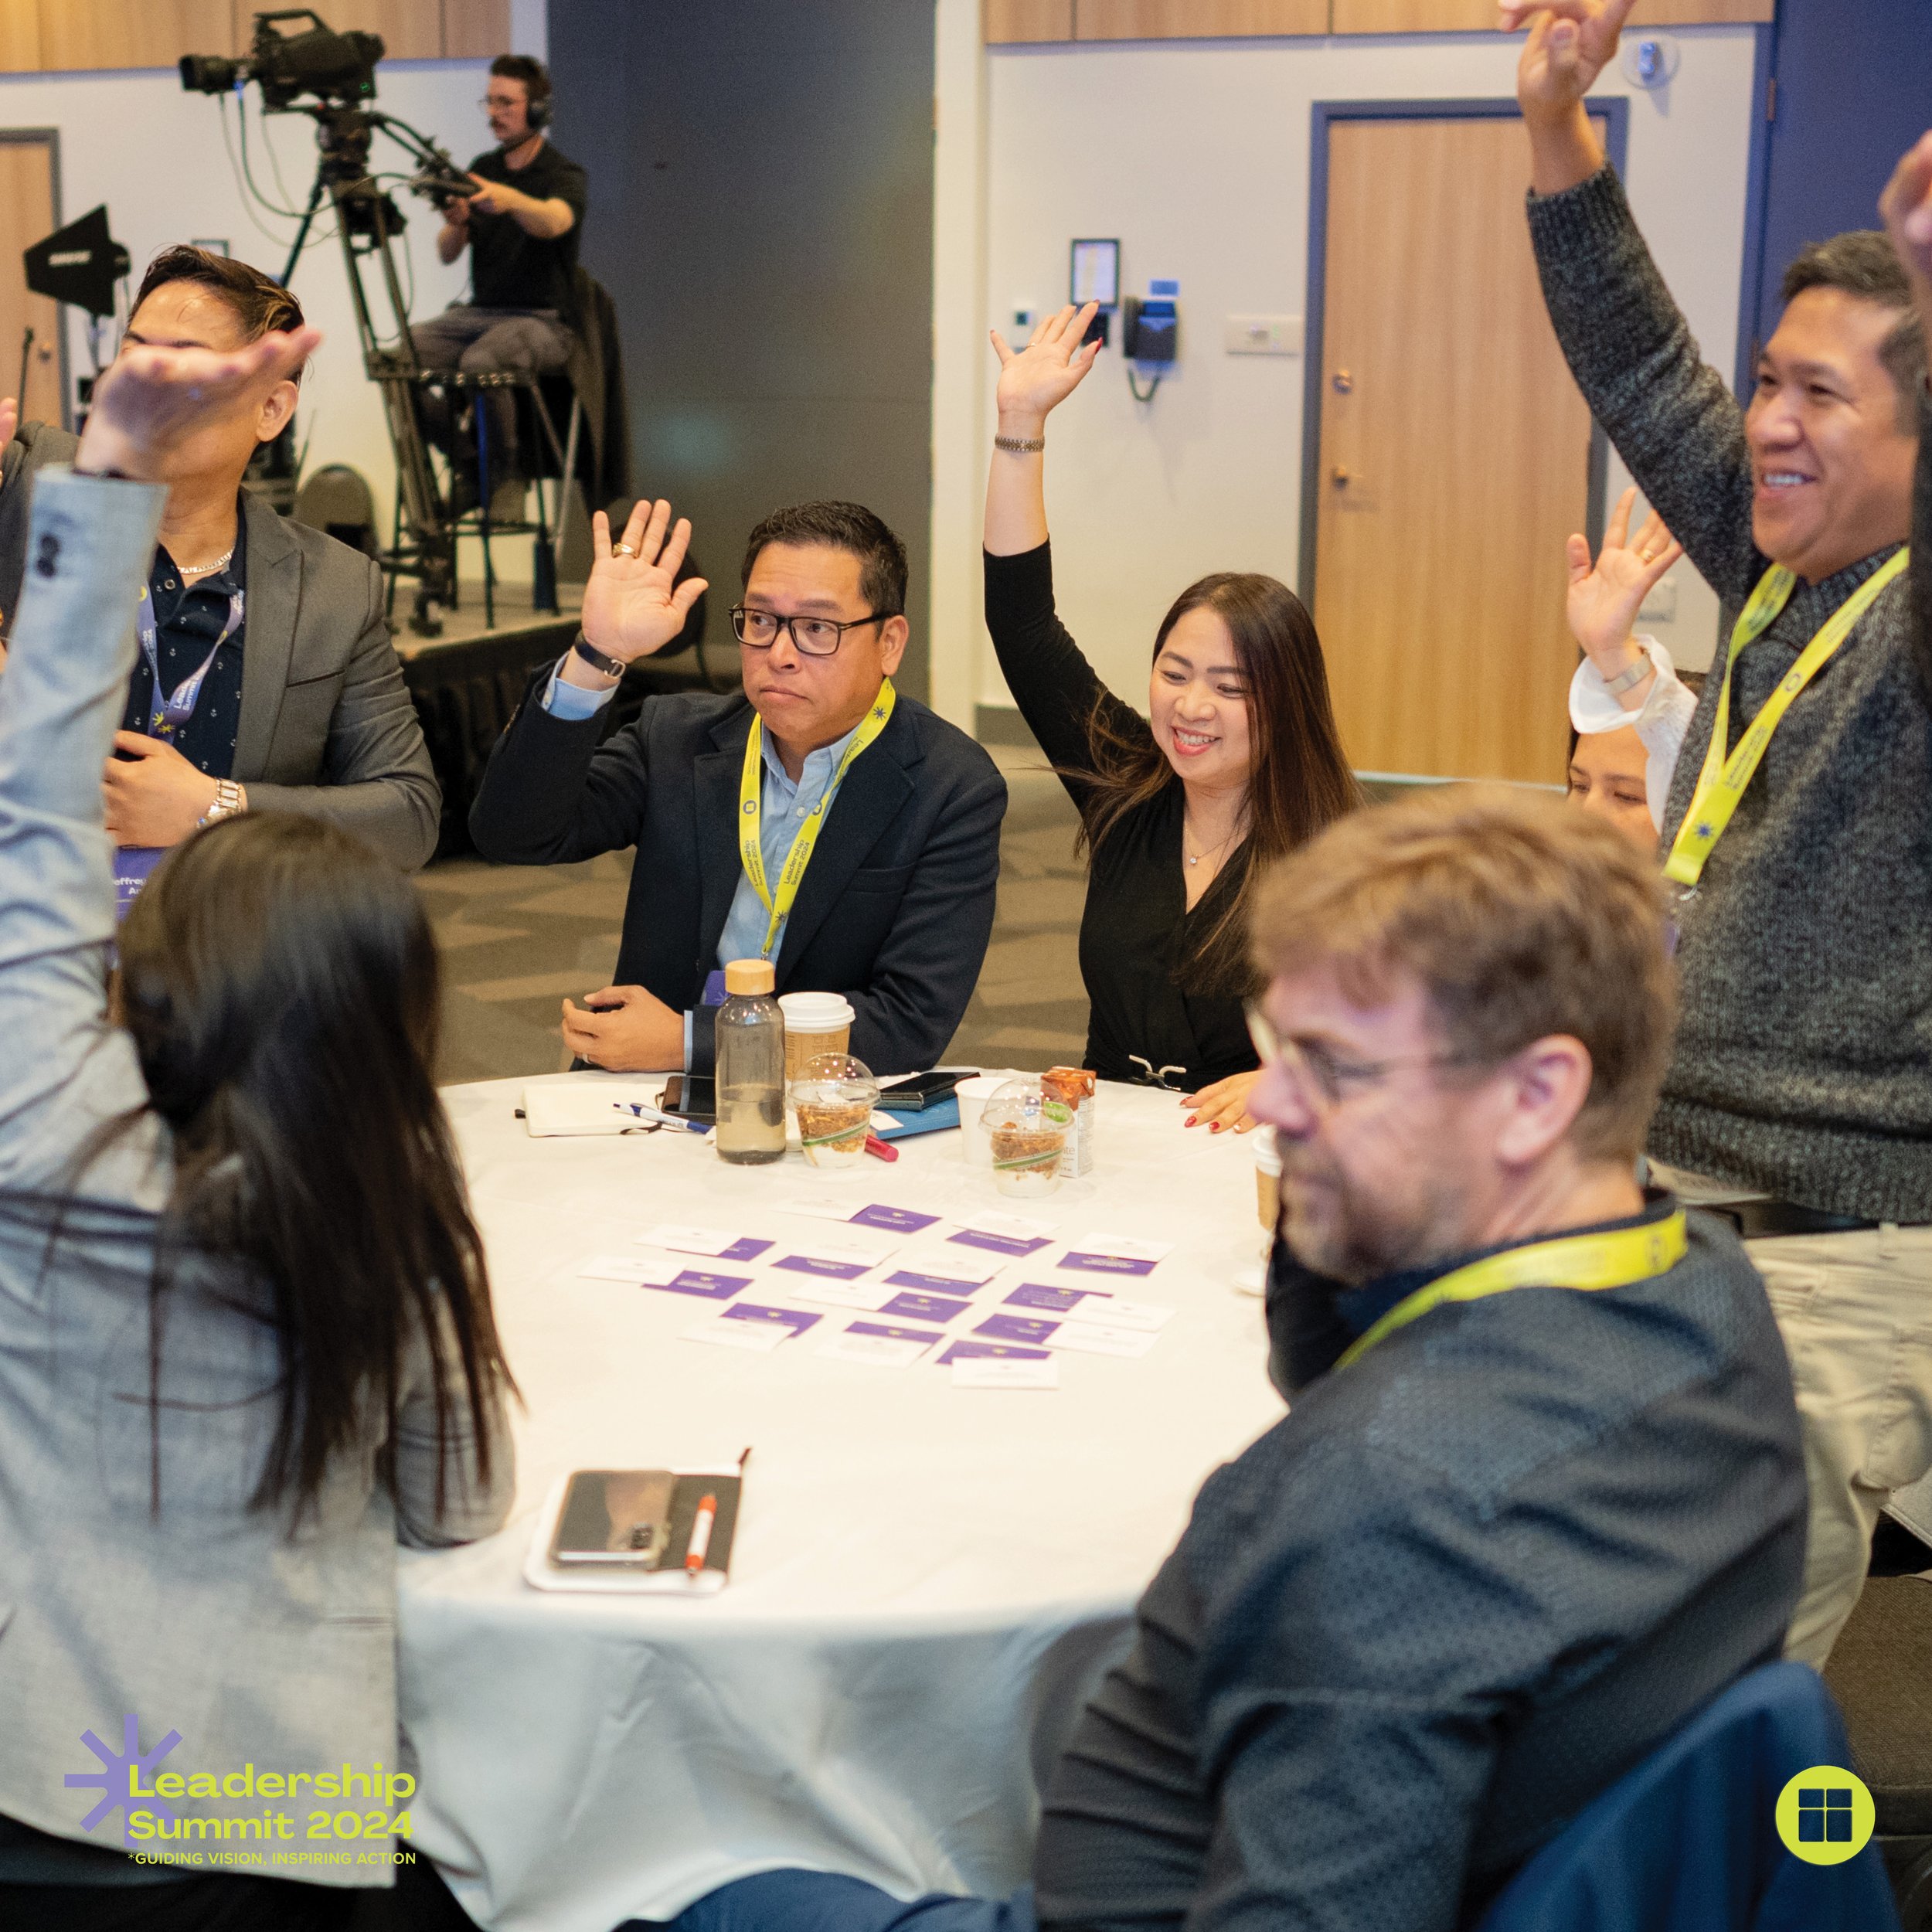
column 338, row 68
column 330, row 77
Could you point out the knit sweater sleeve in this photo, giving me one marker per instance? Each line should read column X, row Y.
column 1056, row 689
column 1669, row 413
column 1921, row 567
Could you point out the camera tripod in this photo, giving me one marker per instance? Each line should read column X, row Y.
column 369, row 223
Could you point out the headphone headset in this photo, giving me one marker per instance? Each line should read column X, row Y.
column 537, row 111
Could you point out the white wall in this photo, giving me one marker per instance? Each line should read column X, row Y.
column 1196, row 155
column 155, row 153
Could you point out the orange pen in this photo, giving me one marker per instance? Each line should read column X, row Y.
column 694, row 1553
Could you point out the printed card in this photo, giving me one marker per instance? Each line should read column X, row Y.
column 1004, row 1233
column 1036, row 1294
column 991, row 1351
column 872, row 1351
column 1117, row 1314
column 1030, row 1371
column 924, row 1308
column 748, row 1335
column 868, row 1295
column 1114, row 1254
column 895, row 1220
column 1097, row 1337
column 892, row 1331
column 695, row 1240
column 933, row 1279
column 635, row 1269
column 839, row 1260
column 793, row 1321
column 701, row 1281
column 1015, row 1327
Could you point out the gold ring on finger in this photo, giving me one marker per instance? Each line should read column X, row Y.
column 623, row 550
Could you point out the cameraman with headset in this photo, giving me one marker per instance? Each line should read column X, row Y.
column 522, row 227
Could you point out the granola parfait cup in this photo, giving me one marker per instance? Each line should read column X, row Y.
column 1028, row 1131
column 834, row 1096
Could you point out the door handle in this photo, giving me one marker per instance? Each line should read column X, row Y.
column 1343, row 382
column 1341, row 478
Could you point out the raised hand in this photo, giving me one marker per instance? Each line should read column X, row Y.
column 151, row 400
column 1035, row 380
column 1604, row 600
column 1571, row 43
column 1907, row 207
column 633, row 604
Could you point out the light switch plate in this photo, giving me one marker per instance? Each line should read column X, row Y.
column 1263, row 335
column 1660, row 606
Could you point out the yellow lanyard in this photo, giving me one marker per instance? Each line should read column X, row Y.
column 1721, row 782
column 751, row 849
column 1611, row 1260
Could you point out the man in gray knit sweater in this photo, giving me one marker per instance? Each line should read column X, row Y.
column 1800, row 1091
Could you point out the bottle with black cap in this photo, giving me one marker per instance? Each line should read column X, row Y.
column 750, row 1037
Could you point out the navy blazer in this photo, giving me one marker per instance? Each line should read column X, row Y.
column 894, row 911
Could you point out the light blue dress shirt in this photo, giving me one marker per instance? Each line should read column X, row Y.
column 783, row 808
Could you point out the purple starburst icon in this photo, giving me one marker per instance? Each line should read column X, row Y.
column 114, row 1778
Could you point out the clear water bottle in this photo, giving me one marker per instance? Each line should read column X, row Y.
column 750, row 1039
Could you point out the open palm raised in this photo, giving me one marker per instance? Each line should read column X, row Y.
column 633, row 604
column 1604, row 601
column 1052, row 364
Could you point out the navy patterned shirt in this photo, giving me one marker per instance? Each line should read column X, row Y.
column 188, row 616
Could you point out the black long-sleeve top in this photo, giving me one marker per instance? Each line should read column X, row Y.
column 1472, row 1579
column 1136, row 931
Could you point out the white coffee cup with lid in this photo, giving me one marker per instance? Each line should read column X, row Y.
column 815, row 1023
column 973, row 1094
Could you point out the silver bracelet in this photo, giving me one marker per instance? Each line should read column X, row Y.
column 229, row 803
column 1020, row 445
column 1631, row 676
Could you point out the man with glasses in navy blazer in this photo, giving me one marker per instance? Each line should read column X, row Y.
column 855, row 843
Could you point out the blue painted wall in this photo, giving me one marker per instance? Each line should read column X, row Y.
column 1854, row 92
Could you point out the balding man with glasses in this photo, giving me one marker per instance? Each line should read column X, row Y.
column 823, row 820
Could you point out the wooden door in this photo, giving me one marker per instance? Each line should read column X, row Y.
column 1454, row 454
column 26, row 216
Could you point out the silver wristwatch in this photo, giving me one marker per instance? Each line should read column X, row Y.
column 1632, row 676
column 230, row 802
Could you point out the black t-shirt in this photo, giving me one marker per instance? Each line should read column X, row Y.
column 509, row 269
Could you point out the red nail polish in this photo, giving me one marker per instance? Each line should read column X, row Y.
column 1215, row 1128
column 1190, row 1121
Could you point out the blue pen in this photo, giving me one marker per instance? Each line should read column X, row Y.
column 663, row 1119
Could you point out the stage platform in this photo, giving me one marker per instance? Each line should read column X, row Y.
column 467, row 682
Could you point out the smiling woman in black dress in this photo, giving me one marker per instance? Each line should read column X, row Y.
column 1237, row 761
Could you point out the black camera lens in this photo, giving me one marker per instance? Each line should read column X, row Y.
column 209, row 73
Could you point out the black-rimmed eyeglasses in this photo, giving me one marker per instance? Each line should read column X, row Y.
column 816, row 636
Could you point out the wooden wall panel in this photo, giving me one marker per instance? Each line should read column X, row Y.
column 19, row 36
column 411, row 29
column 26, row 216
column 1009, row 21
column 475, row 29
column 84, row 34
column 1196, row 19
column 1479, row 16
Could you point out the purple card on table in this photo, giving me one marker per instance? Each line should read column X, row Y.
column 1036, row 1294
column 924, row 1308
column 819, row 1265
column 961, row 1350
column 715, row 1287
column 1106, row 1263
column 796, row 1320
column 1016, row 1328
column 890, row 1331
column 749, row 1249
column 931, row 1283
column 900, row 1220
column 1001, row 1244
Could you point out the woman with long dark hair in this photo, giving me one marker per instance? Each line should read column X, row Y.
column 1237, row 761
column 246, row 1339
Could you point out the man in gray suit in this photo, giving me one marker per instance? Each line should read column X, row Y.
column 266, row 676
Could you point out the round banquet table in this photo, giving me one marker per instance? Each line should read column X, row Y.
column 925, row 1578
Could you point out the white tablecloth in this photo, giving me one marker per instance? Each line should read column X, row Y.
column 925, row 1577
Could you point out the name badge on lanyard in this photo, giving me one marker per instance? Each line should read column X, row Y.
column 167, row 712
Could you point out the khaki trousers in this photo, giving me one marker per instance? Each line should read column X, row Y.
column 1855, row 1310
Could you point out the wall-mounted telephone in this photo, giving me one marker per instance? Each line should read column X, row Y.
column 1151, row 333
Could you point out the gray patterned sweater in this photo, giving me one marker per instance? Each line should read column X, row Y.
column 1804, row 1058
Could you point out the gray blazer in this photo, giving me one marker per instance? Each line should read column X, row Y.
column 208, row 1617
column 327, row 725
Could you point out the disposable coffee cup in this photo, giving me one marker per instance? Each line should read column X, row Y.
column 973, row 1095
column 1267, row 1183
column 815, row 1023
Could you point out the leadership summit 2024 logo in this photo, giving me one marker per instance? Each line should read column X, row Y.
column 146, row 1793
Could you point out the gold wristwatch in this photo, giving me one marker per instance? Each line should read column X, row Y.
column 230, row 800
